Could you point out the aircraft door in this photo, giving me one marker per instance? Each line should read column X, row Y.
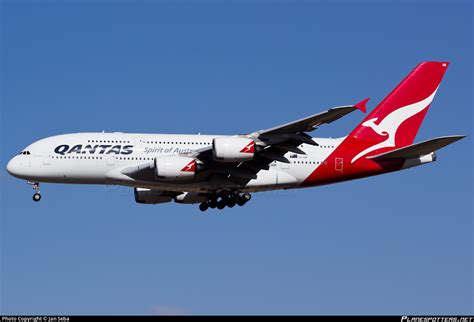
column 46, row 159
column 339, row 164
column 110, row 160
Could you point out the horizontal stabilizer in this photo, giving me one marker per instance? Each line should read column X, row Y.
column 419, row 149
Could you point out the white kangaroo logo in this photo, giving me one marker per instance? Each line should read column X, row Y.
column 389, row 125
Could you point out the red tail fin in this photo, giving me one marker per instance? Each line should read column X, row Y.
column 395, row 121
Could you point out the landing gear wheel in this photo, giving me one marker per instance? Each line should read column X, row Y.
column 231, row 202
column 212, row 203
column 244, row 198
column 36, row 188
column 221, row 204
column 247, row 196
column 203, row 206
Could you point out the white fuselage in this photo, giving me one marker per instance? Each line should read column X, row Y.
column 99, row 158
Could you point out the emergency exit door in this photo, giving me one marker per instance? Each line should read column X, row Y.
column 339, row 164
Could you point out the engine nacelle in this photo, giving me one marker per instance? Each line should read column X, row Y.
column 231, row 149
column 175, row 167
column 189, row 198
column 150, row 196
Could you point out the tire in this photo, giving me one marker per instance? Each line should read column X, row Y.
column 241, row 202
column 221, row 204
column 231, row 203
column 36, row 197
column 203, row 206
column 212, row 203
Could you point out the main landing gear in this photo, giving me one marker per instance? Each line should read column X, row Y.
column 229, row 199
column 35, row 186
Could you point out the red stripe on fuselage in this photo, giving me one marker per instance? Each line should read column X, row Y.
column 327, row 172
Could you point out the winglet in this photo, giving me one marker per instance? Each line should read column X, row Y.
column 362, row 105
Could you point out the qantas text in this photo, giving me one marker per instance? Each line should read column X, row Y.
column 94, row 149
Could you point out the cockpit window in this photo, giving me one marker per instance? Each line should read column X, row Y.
column 25, row 153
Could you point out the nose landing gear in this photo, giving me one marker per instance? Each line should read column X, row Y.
column 35, row 186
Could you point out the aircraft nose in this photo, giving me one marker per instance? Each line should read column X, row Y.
column 13, row 167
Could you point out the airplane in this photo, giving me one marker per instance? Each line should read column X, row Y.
column 218, row 171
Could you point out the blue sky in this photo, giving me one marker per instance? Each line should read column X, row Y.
column 394, row 244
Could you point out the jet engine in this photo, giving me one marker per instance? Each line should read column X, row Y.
column 190, row 198
column 151, row 196
column 231, row 149
column 175, row 167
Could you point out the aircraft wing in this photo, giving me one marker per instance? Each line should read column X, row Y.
column 310, row 123
column 288, row 135
column 272, row 144
column 144, row 172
